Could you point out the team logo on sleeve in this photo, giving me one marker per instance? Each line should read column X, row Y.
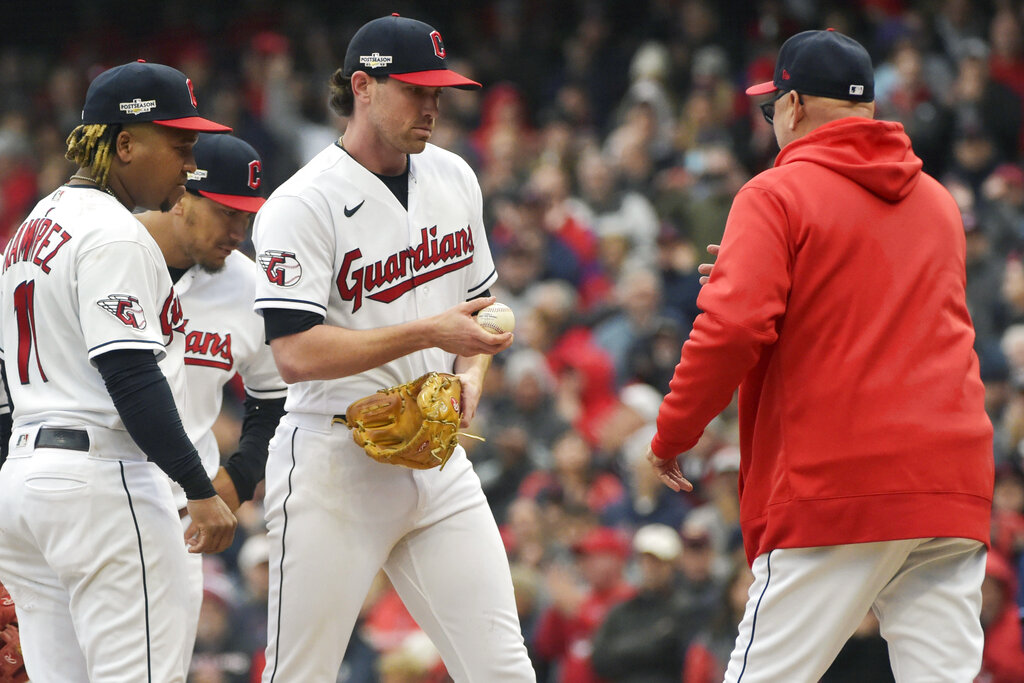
column 125, row 308
column 281, row 267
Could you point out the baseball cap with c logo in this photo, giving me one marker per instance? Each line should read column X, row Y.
column 228, row 171
column 144, row 92
column 404, row 49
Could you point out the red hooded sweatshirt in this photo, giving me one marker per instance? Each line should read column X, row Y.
column 837, row 306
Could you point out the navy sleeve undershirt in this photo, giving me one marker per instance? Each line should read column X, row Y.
column 146, row 405
column 247, row 465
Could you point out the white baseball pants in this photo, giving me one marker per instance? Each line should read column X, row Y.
column 806, row 602
column 335, row 517
column 92, row 552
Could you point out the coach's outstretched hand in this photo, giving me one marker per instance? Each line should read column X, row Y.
column 456, row 330
column 213, row 526
column 668, row 472
column 705, row 268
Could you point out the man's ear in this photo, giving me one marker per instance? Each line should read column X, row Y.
column 124, row 145
column 797, row 112
column 360, row 82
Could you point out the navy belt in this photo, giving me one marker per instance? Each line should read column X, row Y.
column 70, row 439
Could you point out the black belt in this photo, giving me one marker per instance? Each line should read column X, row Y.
column 70, row 439
column 338, row 418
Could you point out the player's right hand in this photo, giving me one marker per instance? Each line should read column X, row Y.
column 456, row 330
column 213, row 526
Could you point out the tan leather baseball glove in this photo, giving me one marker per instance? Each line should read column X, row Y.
column 415, row 424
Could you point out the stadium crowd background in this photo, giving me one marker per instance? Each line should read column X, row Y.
column 609, row 139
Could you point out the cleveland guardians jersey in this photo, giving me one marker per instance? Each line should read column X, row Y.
column 333, row 240
column 82, row 263
column 222, row 337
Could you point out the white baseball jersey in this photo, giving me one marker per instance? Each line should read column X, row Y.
column 222, row 337
column 362, row 261
column 335, row 241
column 94, row 279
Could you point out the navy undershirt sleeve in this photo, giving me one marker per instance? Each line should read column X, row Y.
column 247, row 465
column 281, row 322
column 146, row 405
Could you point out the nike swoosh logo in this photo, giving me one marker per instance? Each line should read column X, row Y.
column 351, row 212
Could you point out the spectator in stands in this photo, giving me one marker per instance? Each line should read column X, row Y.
column 564, row 634
column 1003, row 658
column 574, row 478
column 647, row 501
column 708, row 655
column 643, row 639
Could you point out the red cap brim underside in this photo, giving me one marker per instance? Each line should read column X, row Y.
column 437, row 78
column 762, row 88
column 234, row 201
column 195, row 123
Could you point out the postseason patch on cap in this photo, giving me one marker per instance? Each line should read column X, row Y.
column 137, row 106
column 405, row 50
column 375, row 61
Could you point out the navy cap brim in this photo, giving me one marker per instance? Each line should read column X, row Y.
column 437, row 78
column 762, row 88
column 234, row 201
column 195, row 123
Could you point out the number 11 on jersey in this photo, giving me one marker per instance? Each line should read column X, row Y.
column 24, row 309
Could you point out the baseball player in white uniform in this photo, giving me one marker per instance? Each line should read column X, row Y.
column 91, row 546
column 375, row 257
column 223, row 336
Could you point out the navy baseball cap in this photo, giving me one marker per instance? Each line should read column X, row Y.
column 404, row 49
column 144, row 92
column 228, row 171
column 823, row 64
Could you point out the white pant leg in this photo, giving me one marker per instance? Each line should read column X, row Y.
column 333, row 516
column 108, row 533
column 454, row 578
column 930, row 613
column 804, row 605
column 193, row 597
column 48, row 640
column 453, row 575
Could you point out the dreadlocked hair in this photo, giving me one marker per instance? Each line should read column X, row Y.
column 92, row 146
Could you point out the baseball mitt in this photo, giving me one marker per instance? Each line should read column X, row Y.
column 415, row 424
column 12, row 665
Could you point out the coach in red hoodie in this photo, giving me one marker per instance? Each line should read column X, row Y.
column 837, row 307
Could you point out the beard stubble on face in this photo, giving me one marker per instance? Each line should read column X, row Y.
column 194, row 252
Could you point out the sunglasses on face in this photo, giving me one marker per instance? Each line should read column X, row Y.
column 768, row 108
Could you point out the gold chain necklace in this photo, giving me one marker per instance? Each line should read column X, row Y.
column 75, row 176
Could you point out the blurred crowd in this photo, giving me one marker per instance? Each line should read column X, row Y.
column 609, row 140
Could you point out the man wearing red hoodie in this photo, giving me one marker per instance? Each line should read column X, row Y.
column 837, row 307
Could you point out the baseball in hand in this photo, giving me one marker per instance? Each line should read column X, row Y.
column 496, row 319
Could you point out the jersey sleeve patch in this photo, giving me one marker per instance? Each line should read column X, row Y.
column 282, row 268
column 125, row 308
